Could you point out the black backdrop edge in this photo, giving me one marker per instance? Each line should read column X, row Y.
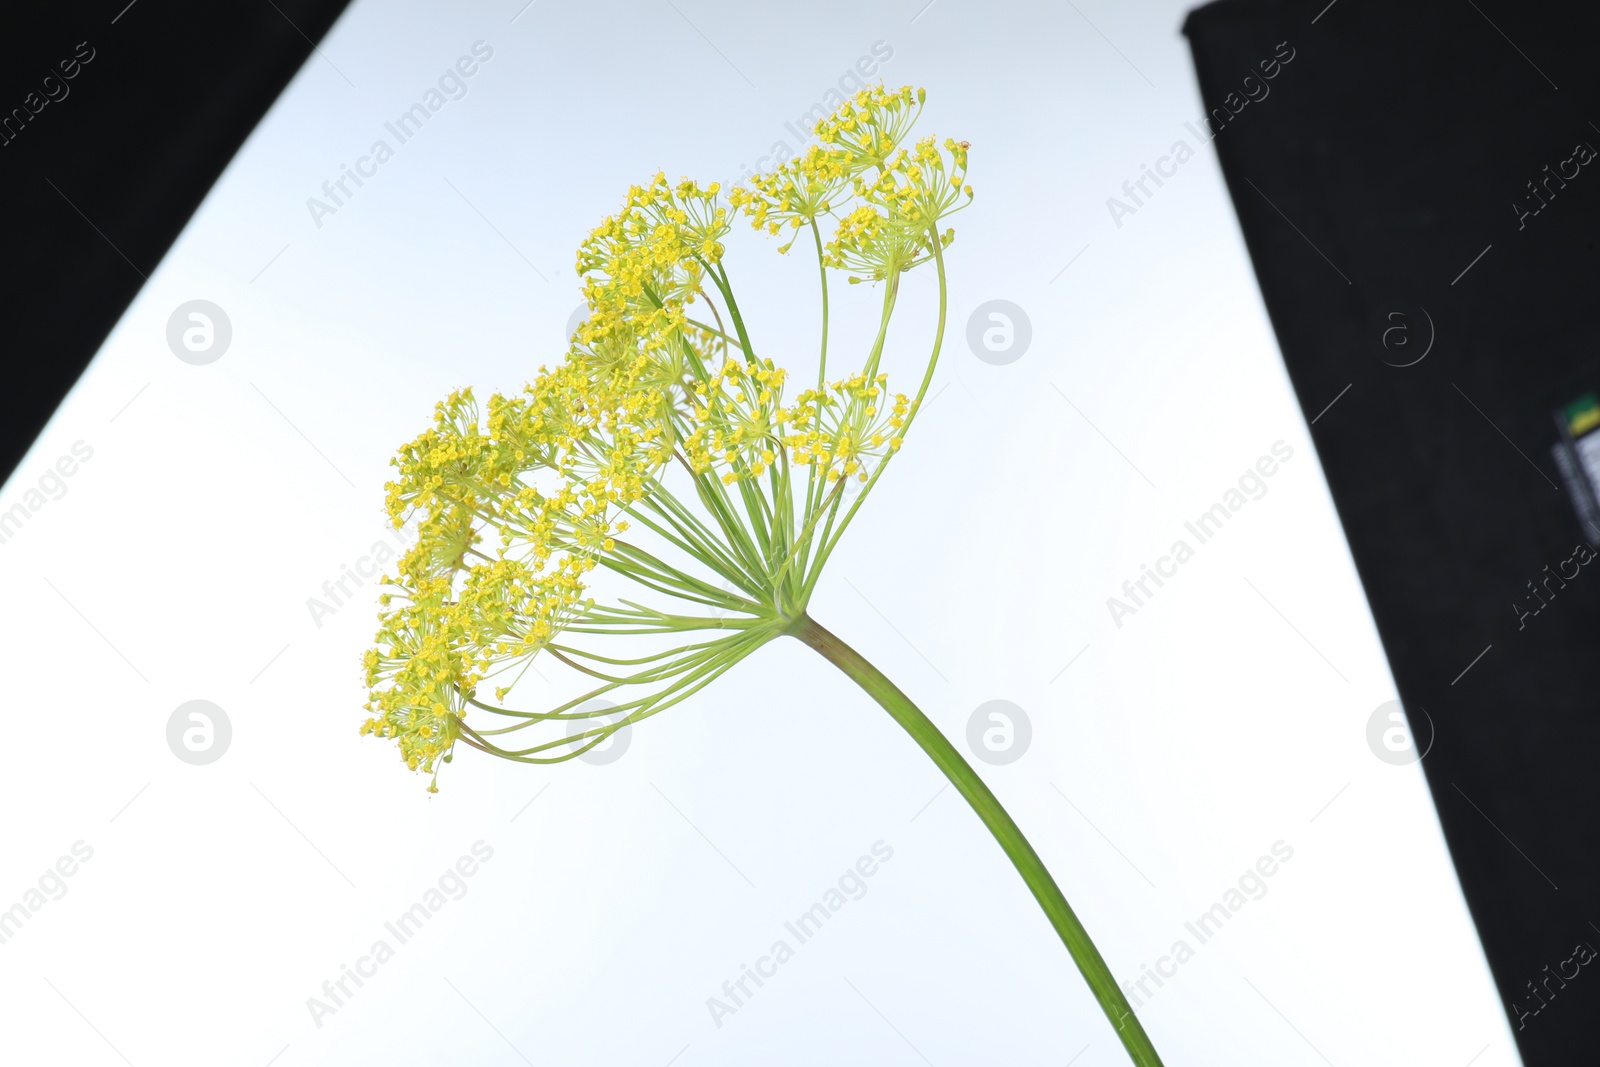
column 100, row 180
column 1387, row 171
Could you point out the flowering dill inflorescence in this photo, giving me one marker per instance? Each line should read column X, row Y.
column 663, row 450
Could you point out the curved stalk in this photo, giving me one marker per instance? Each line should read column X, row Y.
column 1000, row 824
column 831, row 535
column 822, row 270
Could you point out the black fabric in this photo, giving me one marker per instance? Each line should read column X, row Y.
column 1387, row 157
column 115, row 120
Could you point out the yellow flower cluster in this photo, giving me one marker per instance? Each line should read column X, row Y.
column 518, row 501
column 647, row 260
column 419, row 652
column 841, row 427
column 899, row 194
column 452, row 613
column 861, row 137
column 736, row 418
column 796, row 193
column 872, row 124
column 602, row 420
column 894, row 228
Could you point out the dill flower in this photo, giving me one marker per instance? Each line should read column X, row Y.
column 871, row 126
column 664, row 452
column 797, row 193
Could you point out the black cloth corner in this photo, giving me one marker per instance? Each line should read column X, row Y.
column 115, row 120
column 1419, row 196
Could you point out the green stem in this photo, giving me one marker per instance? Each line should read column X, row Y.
column 1000, row 824
column 822, row 270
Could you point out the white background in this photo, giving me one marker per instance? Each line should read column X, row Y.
column 1229, row 713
